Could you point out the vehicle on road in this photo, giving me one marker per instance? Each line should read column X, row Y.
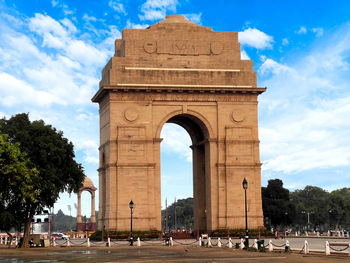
column 59, row 236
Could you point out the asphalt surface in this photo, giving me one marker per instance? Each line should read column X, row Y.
column 160, row 253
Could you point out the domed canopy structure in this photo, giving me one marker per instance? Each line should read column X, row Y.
column 88, row 185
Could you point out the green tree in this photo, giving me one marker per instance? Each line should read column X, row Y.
column 184, row 214
column 277, row 207
column 311, row 203
column 339, row 207
column 51, row 154
column 17, row 185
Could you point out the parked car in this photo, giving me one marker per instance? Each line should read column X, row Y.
column 59, row 236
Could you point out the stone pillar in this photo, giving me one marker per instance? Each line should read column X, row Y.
column 93, row 215
column 79, row 208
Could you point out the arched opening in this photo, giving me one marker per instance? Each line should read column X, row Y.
column 86, row 206
column 198, row 134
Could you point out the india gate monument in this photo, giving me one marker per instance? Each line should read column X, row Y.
column 178, row 72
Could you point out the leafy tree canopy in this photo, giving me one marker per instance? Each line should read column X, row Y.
column 312, row 200
column 276, row 204
column 17, row 184
column 51, row 154
column 339, row 207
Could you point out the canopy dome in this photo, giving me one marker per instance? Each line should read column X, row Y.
column 88, row 184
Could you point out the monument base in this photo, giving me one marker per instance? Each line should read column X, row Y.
column 83, row 227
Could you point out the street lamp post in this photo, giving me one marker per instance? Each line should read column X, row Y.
column 308, row 218
column 245, row 187
column 131, row 206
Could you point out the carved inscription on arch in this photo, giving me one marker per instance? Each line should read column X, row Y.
column 183, row 47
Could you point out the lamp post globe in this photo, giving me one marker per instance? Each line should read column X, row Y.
column 245, row 187
column 131, row 206
column 245, row 184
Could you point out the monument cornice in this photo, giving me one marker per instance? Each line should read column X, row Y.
column 176, row 88
column 239, row 165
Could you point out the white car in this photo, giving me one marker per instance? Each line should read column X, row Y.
column 59, row 236
column 63, row 236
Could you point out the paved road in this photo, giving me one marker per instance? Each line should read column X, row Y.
column 157, row 254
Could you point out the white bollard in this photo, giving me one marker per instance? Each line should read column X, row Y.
column 16, row 241
column 0, row 240
column 328, row 233
column 255, row 245
column 5, row 240
column 306, row 247
column 171, row 241
column 229, row 243
column 318, row 234
column 200, row 241
column 287, row 248
column 219, row 242
column 270, row 246
column 328, row 249
column 209, row 242
column 109, row 242
column 68, row 243
column 306, row 234
column 138, row 242
column 88, row 242
column 241, row 245
column 54, row 242
column 296, row 233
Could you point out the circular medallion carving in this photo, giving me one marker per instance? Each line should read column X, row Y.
column 150, row 46
column 238, row 116
column 131, row 114
column 216, row 48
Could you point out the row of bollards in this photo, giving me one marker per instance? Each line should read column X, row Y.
column 207, row 241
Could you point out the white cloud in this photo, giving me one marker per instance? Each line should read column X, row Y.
column 69, row 25
column 156, row 9
column 63, row 74
column 302, row 30
column 132, row 25
column 255, row 38
column 195, row 18
column 54, row 3
column 244, row 55
column 318, row 31
column 171, row 143
column 304, row 113
column 90, row 149
column 271, row 66
column 117, row 6
column 88, row 18
column 14, row 91
column 285, row 41
column 43, row 24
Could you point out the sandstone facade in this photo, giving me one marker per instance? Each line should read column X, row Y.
column 178, row 72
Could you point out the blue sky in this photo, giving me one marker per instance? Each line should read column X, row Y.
column 52, row 53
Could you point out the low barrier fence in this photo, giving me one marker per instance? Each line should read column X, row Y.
column 330, row 247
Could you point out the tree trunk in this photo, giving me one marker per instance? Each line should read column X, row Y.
column 25, row 243
column 10, row 238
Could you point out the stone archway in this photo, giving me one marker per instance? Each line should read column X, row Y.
column 180, row 72
column 87, row 226
column 200, row 138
